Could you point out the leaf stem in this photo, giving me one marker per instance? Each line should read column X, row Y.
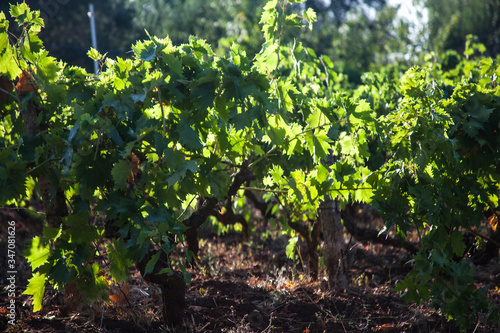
column 162, row 113
column 39, row 166
column 258, row 189
column 262, row 157
column 9, row 93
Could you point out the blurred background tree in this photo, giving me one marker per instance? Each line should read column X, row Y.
column 357, row 35
column 335, row 11
column 364, row 39
column 219, row 22
column 450, row 21
column 67, row 28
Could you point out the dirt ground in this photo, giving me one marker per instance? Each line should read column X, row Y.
column 243, row 287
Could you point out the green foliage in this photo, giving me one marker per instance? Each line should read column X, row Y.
column 119, row 260
column 221, row 23
column 448, row 285
column 131, row 148
column 290, row 248
column 442, row 177
column 67, row 29
column 451, row 21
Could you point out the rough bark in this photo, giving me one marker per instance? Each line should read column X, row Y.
column 173, row 288
column 55, row 208
column 207, row 207
column 312, row 242
column 334, row 244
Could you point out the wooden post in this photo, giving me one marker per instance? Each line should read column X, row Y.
column 334, row 243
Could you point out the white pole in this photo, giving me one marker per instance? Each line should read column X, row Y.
column 93, row 33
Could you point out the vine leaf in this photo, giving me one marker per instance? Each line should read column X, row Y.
column 51, row 233
column 457, row 243
column 188, row 136
column 290, row 248
column 117, row 255
column 362, row 114
column 219, row 185
column 145, row 51
column 49, row 67
column 318, row 144
column 180, row 174
column 151, row 263
column 38, row 253
column 36, row 288
column 60, row 272
column 120, row 173
column 7, row 59
column 174, row 63
column 311, row 17
column 269, row 19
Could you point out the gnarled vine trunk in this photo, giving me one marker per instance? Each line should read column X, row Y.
column 173, row 288
column 334, row 243
column 312, row 240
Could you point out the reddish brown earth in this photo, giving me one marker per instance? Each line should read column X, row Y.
column 245, row 287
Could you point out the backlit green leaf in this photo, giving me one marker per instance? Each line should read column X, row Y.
column 37, row 253
column 145, row 50
column 36, row 288
column 119, row 260
column 290, row 248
